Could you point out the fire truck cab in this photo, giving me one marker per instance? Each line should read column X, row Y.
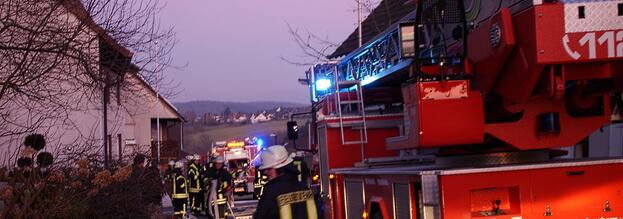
column 473, row 109
column 238, row 156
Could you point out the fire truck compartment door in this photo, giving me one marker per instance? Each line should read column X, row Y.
column 578, row 192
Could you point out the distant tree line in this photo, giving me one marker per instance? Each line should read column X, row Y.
column 227, row 116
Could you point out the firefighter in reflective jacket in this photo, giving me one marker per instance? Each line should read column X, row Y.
column 205, row 188
column 169, row 173
column 284, row 196
column 301, row 166
column 258, row 183
column 223, row 187
column 194, row 190
column 179, row 191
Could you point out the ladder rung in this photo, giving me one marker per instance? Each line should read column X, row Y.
column 349, row 101
column 353, row 122
column 354, row 142
column 348, row 83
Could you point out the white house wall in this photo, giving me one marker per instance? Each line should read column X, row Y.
column 75, row 129
column 141, row 106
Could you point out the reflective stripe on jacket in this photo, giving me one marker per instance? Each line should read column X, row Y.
column 304, row 200
column 194, row 179
column 179, row 187
column 285, row 197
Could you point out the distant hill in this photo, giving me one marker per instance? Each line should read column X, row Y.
column 205, row 106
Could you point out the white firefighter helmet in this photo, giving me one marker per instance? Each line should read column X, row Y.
column 171, row 163
column 179, row 164
column 275, row 156
column 189, row 157
column 219, row 159
column 196, row 157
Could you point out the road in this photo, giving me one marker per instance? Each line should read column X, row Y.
column 244, row 206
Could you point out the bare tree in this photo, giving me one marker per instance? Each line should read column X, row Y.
column 59, row 57
column 316, row 49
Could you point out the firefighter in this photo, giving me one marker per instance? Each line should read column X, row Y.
column 205, row 184
column 301, row 166
column 202, row 185
column 170, row 169
column 194, row 180
column 169, row 175
column 258, row 183
column 223, row 184
column 179, row 191
column 284, row 196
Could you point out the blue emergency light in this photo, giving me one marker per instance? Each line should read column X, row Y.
column 323, row 84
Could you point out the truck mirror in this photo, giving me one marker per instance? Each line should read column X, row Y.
column 293, row 130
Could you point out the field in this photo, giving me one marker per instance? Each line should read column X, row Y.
column 199, row 140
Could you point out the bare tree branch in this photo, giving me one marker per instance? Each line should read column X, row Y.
column 61, row 58
column 314, row 48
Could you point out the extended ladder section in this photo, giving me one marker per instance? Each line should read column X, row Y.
column 340, row 83
column 355, row 114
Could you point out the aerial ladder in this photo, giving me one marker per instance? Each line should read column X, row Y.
column 467, row 109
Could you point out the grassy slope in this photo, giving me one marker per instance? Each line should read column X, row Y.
column 200, row 140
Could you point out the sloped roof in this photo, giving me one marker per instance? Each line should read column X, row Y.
column 134, row 72
column 388, row 12
column 77, row 9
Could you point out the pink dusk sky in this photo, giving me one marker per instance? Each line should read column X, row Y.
column 233, row 47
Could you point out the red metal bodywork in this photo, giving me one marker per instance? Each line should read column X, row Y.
column 347, row 155
column 528, row 71
column 328, row 103
column 249, row 152
column 538, row 67
column 540, row 53
column 489, row 61
column 439, row 110
column 571, row 192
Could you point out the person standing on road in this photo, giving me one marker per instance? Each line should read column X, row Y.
column 194, row 189
column 179, row 191
column 223, row 186
column 203, row 179
column 169, row 173
column 284, row 196
column 301, row 166
column 153, row 189
column 205, row 184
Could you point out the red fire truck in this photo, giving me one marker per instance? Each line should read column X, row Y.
column 469, row 108
column 238, row 156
